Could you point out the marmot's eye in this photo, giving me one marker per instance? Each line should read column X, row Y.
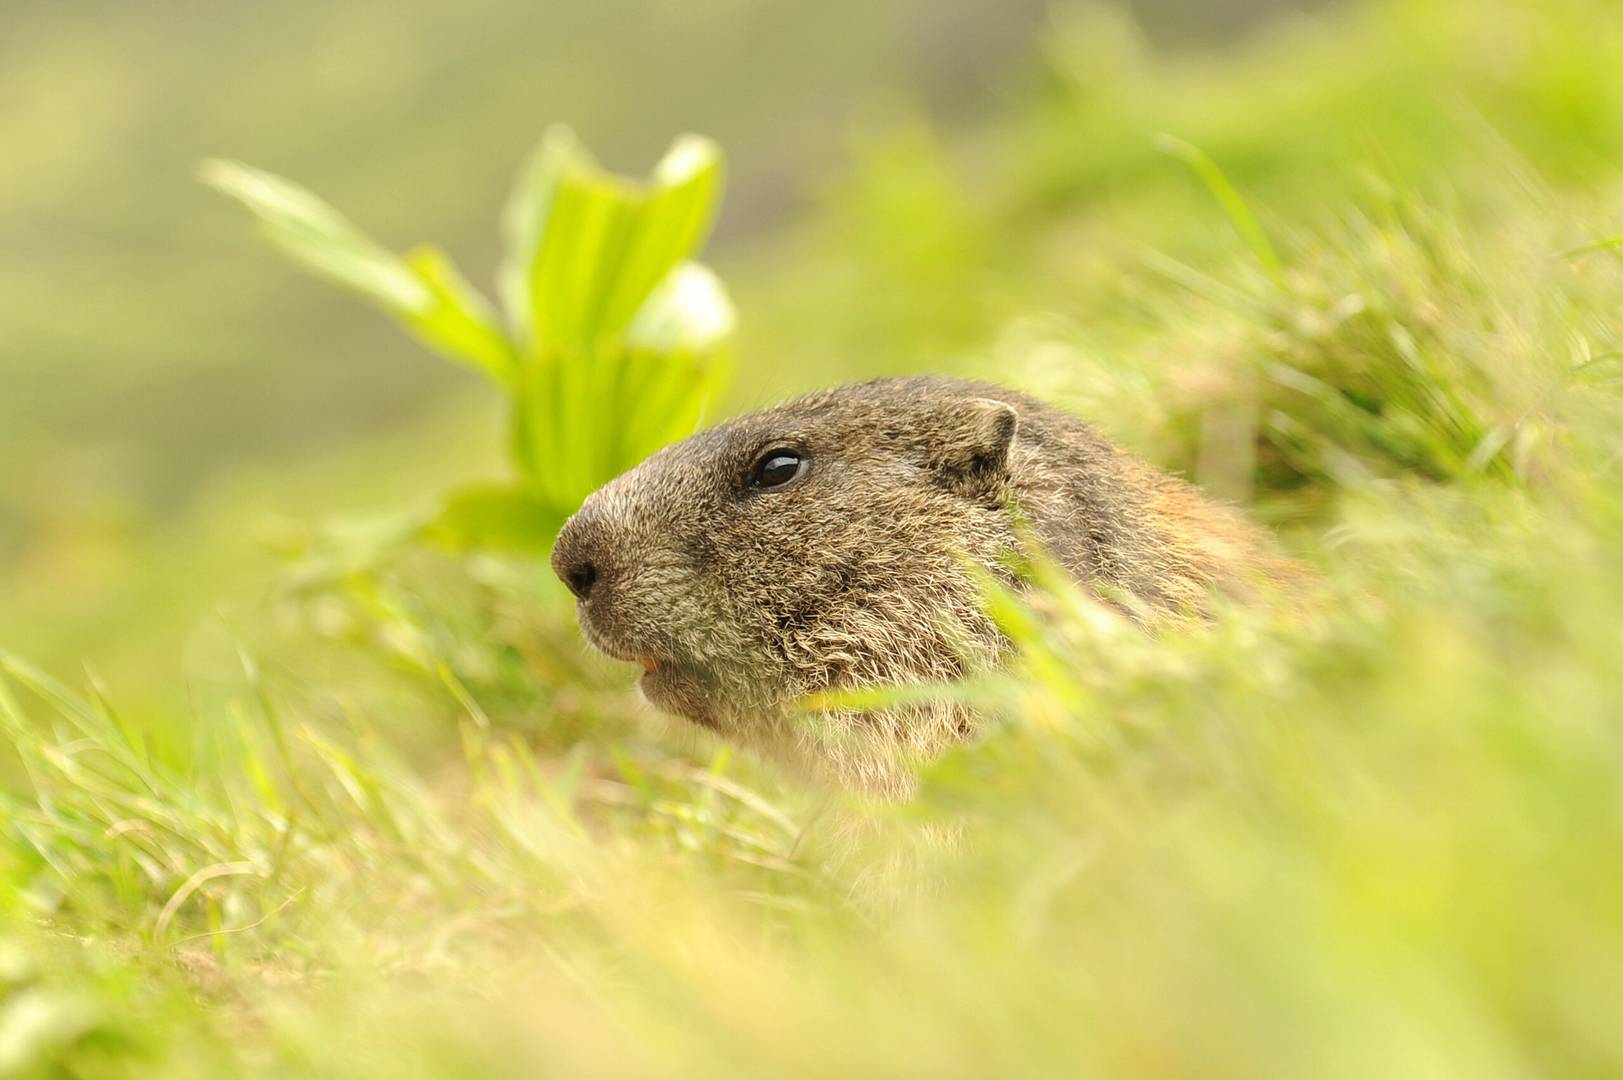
column 776, row 468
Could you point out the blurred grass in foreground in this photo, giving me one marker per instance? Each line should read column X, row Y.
column 415, row 833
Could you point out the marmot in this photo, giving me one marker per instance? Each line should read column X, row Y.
column 831, row 543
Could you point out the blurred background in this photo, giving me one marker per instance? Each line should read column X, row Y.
column 168, row 390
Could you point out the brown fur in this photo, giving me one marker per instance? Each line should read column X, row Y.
column 860, row 573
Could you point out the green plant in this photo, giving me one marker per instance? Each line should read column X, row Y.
column 610, row 341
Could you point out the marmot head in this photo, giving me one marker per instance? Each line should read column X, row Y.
column 829, row 543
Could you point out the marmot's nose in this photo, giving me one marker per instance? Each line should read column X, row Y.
column 576, row 570
column 580, row 577
column 574, row 562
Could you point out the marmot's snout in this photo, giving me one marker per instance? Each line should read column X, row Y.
column 638, row 589
column 591, row 558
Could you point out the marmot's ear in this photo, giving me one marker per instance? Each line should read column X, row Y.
column 970, row 448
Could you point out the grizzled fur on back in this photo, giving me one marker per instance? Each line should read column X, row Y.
column 741, row 599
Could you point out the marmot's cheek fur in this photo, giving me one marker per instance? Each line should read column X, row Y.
column 741, row 596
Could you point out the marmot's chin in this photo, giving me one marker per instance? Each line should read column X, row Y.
column 671, row 690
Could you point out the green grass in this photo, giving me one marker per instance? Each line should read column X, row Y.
column 406, row 825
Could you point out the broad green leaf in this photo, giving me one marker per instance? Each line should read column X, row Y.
column 312, row 232
column 425, row 292
column 579, row 256
column 689, row 310
column 587, row 247
column 614, row 343
column 461, row 323
column 524, row 218
column 676, row 365
column 674, row 220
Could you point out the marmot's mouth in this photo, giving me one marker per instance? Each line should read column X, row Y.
column 614, row 650
column 669, row 684
column 647, row 661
